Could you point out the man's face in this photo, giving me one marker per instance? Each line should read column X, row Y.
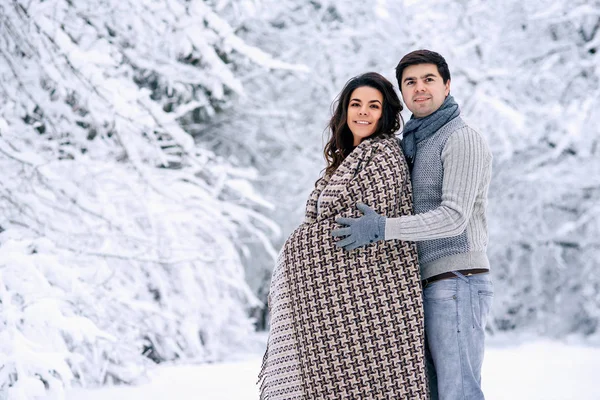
column 423, row 89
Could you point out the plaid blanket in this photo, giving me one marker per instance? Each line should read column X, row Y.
column 348, row 325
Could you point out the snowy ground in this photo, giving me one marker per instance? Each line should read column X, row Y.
column 535, row 370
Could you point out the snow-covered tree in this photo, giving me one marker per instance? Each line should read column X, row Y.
column 119, row 234
column 545, row 199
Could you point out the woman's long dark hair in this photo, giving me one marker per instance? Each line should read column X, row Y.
column 341, row 141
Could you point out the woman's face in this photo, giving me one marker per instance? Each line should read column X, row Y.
column 364, row 112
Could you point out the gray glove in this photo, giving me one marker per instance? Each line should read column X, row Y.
column 369, row 228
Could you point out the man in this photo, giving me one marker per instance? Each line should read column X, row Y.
column 450, row 172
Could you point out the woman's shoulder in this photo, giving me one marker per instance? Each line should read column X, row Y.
column 384, row 153
column 386, row 144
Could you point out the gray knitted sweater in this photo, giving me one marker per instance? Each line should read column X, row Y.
column 450, row 180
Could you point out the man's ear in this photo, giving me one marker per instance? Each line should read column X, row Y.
column 447, row 91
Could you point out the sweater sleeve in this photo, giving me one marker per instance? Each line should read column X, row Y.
column 465, row 159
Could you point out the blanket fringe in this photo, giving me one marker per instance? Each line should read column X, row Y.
column 261, row 376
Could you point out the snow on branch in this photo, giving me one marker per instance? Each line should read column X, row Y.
column 120, row 236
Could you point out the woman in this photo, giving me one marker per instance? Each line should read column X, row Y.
column 350, row 324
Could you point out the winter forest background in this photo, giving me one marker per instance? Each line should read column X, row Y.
column 154, row 154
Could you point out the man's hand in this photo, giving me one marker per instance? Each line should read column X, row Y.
column 369, row 228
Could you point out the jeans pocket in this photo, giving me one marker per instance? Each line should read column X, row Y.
column 485, row 304
column 440, row 291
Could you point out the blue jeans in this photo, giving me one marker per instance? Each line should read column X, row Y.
column 456, row 311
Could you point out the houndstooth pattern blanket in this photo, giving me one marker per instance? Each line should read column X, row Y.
column 348, row 325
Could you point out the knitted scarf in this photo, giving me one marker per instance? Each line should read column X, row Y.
column 348, row 325
column 419, row 129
